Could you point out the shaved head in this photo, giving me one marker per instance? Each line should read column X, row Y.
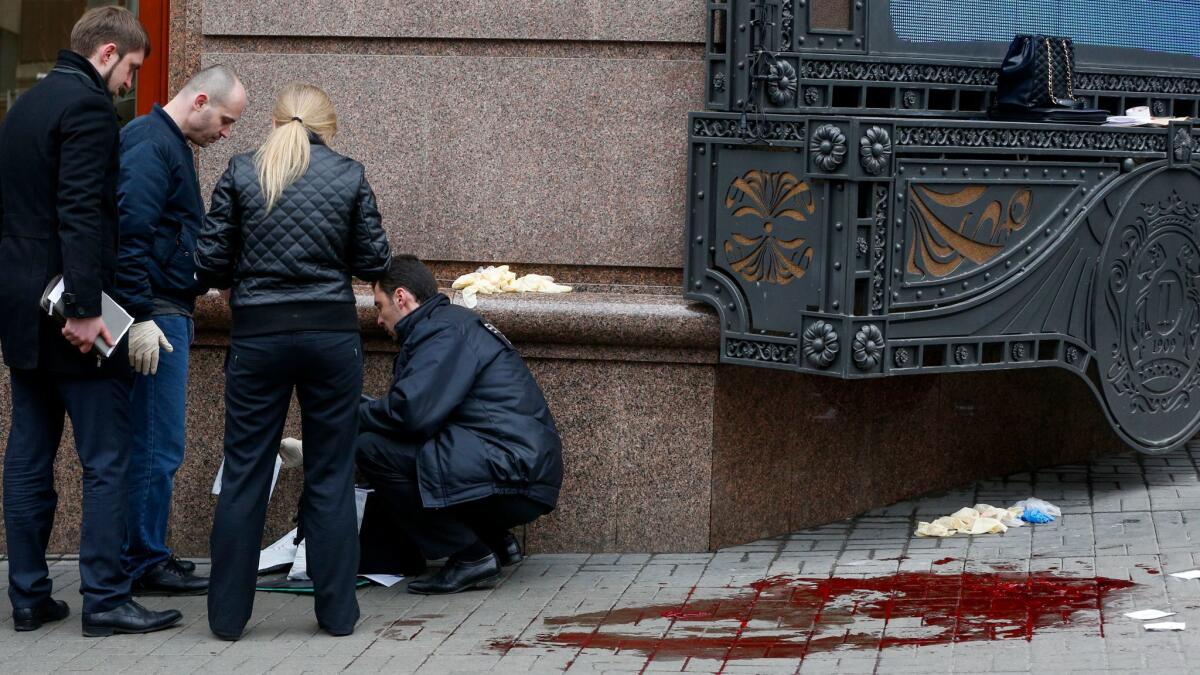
column 208, row 105
column 219, row 82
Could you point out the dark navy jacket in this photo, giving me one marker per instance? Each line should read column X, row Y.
column 161, row 212
column 465, row 396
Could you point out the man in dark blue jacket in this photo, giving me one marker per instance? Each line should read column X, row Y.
column 58, row 214
column 161, row 212
column 462, row 447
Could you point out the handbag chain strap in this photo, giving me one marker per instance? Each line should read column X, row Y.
column 1050, row 73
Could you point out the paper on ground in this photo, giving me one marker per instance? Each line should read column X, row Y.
column 387, row 580
column 1148, row 614
column 1165, row 625
column 1190, row 574
column 282, row 552
column 299, row 569
column 216, row 488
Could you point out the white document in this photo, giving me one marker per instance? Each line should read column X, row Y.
column 299, row 569
column 1165, row 625
column 1148, row 614
column 1190, row 574
column 216, row 488
column 282, row 552
column 386, row 580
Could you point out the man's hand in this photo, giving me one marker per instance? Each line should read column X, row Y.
column 145, row 339
column 83, row 332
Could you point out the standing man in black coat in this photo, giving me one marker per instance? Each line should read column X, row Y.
column 463, row 447
column 58, row 215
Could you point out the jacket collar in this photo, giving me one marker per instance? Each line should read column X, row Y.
column 314, row 138
column 73, row 62
column 406, row 325
column 162, row 116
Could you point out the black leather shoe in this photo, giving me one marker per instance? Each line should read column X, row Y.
column 459, row 575
column 185, row 565
column 32, row 618
column 128, row 618
column 169, row 578
column 509, row 552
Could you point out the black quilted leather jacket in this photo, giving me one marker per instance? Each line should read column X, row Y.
column 290, row 269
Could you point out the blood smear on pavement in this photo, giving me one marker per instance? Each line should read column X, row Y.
column 791, row 617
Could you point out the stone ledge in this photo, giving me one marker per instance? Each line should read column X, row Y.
column 628, row 319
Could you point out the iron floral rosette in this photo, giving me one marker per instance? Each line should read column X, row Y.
column 875, row 149
column 828, row 146
column 867, row 347
column 820, row 344
column 781, row 87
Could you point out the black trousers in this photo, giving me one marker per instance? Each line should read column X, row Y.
column 99, row 410
column 390, row 466
column 325, row 371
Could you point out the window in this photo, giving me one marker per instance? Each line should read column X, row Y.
column 32, row 32
column 1159, row 25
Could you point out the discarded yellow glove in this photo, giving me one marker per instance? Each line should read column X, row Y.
column 489, row 280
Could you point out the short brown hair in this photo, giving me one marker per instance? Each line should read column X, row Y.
column 405, row 271
column 102, row 25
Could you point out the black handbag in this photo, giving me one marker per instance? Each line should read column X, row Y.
column 1037, row 83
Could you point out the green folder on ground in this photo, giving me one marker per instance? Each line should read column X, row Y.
column 286, row 585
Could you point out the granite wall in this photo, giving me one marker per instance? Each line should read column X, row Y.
column 531, row 131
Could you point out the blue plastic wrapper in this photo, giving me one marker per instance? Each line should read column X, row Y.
column 1036, row 516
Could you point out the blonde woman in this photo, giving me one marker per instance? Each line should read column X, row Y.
column 288, row 227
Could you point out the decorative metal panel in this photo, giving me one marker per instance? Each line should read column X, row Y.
column 880, row 227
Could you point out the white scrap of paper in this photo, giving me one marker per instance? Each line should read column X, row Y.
column 299, row 571
column 1190, row 574
column 387, row 580
column 1148, row 614
column 216, row 488
column 282, row 552
column 1165, row 625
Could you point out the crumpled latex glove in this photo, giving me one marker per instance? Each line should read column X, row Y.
column 145, row 340
column 291, row 450
column 934, row 529
column 488, row 280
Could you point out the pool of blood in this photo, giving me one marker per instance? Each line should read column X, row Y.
column 791, row 617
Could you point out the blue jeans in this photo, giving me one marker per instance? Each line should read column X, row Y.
column 99, row 411
column 158, row 415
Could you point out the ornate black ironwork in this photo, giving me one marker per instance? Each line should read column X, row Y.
column 781, row 87
column 821, row 344
column 868, row 347
column 1025, row 138
column 879, row 248
column 875, row 150
column 907, row 73
column 828, row 147
column 970, row 244
column 767, row 352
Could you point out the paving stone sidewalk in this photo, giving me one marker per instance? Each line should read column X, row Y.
column 857, row 596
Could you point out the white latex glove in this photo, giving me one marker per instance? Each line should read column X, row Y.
column 292, row 452
column 145, row 339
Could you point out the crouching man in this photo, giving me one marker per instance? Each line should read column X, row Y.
column 462, row 448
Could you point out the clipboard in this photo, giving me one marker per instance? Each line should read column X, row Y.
column 116, row 319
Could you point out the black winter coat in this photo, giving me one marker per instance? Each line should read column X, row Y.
column 290, row 269
column 58, row 215
column 464, row 394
